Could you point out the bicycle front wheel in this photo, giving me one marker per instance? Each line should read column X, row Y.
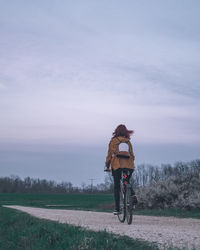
column 122, row 214
column 129, row 205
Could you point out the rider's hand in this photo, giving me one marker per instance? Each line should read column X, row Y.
column 107, row 164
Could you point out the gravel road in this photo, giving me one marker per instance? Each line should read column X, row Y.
column 167, row 231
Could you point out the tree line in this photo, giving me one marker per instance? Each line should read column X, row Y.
column 14, row 184
column 146, row 174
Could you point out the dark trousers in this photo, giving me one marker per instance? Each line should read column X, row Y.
column 117, row 176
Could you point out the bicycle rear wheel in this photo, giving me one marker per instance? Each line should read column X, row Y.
column 129, row 205
column 122, row 207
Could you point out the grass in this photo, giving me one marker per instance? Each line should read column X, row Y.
column 19, row 231
column 194, row 213
column 71, row 201
column 96, row 202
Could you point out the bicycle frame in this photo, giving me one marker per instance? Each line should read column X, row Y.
column 126, row 205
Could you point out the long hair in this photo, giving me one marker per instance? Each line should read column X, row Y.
column 121, row 130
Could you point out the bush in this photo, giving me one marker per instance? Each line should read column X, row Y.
column 179, row 187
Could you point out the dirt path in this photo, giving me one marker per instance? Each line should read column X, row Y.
column 167, row 231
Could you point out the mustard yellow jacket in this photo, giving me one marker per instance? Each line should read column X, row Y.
column 115, row 162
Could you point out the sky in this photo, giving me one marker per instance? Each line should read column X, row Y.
column 71, row 71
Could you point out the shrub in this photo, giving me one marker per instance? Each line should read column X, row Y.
column 179, row 187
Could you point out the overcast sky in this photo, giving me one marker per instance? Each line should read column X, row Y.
column 71, row 71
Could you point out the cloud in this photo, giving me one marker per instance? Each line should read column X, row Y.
column 2, row 86
column 91, row 74
column 87, row 115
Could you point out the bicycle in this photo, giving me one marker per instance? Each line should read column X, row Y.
column 126, row 200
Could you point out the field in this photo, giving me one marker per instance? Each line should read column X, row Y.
column 95, row 202
column 71, row 201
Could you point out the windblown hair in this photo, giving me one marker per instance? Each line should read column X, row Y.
column 121, row 130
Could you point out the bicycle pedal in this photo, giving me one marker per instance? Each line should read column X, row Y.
column 116, row 213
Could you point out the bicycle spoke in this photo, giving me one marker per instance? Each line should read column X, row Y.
column 129, row 206
column 122, row 214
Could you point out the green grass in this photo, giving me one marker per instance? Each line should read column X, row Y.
column 19, row 231
column 195, row 213
column 67, row 201
column 96, row 202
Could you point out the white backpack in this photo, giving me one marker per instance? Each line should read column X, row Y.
column 123, row 150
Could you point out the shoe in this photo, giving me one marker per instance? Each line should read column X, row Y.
column 116, row 212
column 134, row 198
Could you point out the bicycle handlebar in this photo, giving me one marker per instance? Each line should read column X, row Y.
column 107, row 170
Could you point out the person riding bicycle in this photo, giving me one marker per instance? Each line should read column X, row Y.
column 119, row 161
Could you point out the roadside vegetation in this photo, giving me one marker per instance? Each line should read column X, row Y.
column 21, row 231
column 169, row 187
